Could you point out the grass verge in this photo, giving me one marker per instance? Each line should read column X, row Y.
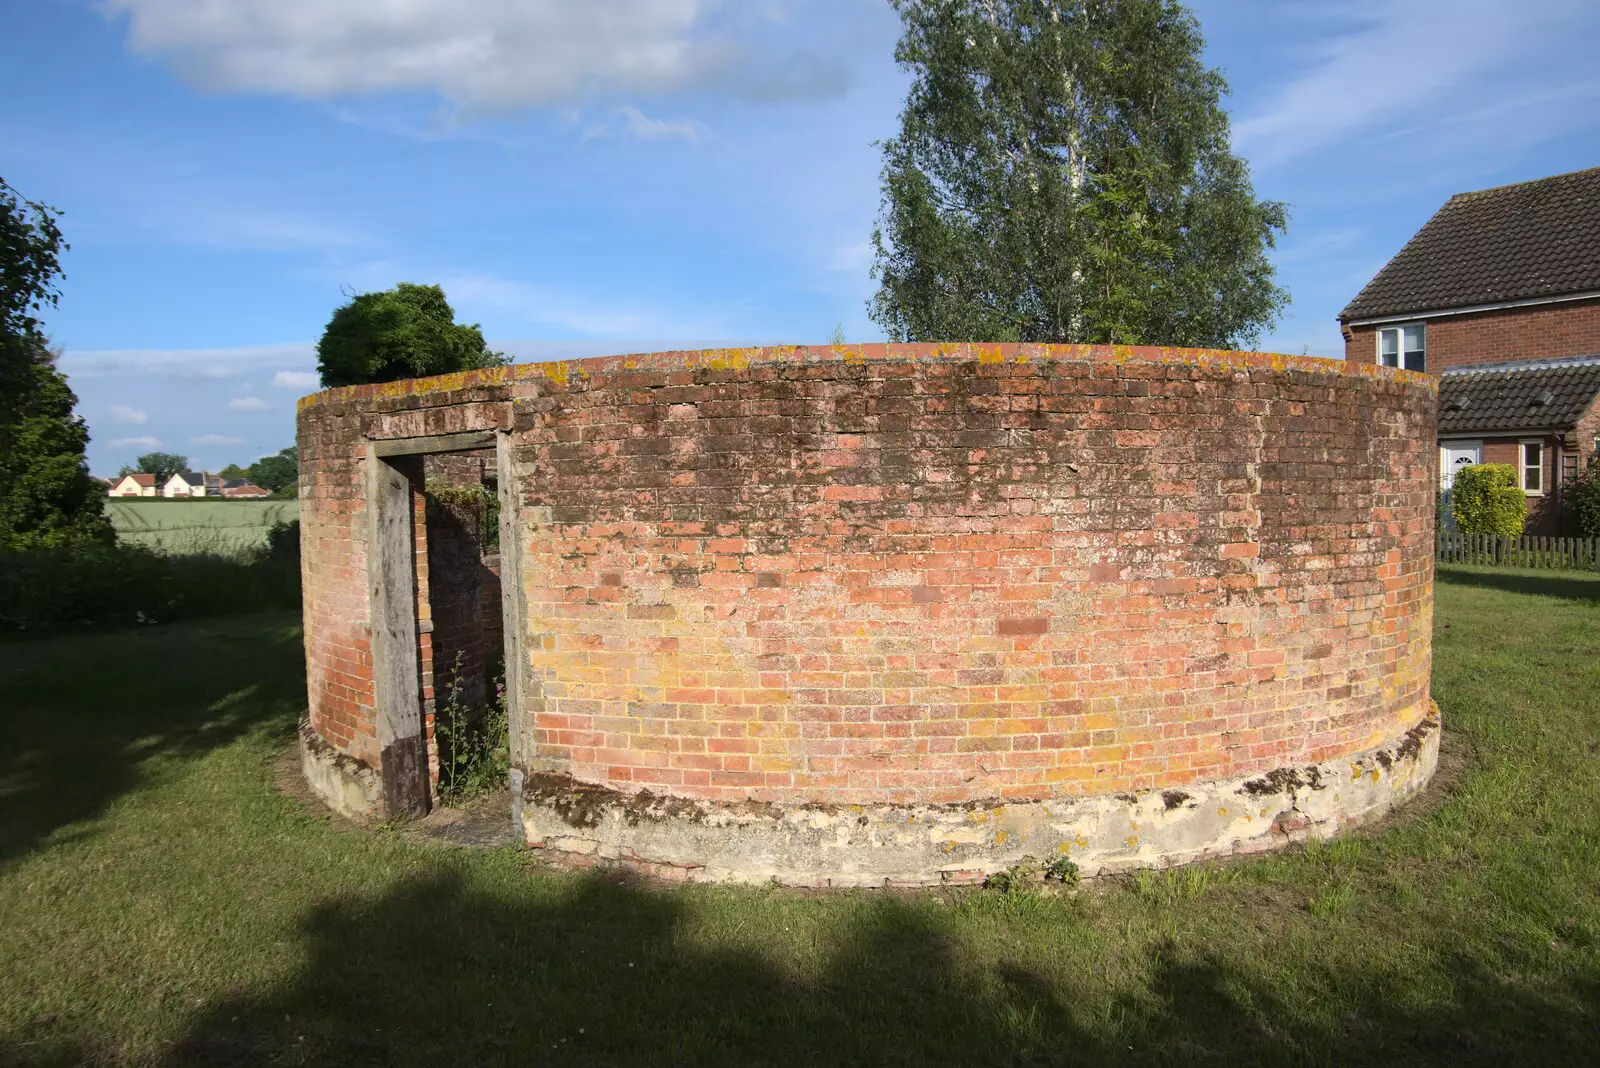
column 163, row 903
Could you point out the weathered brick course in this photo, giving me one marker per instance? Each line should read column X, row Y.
column 922, row 574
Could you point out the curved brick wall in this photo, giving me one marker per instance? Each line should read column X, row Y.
column 914, row 578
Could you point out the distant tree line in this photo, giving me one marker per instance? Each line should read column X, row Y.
column 279, row 473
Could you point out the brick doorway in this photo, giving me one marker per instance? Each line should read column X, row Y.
column 442, row 629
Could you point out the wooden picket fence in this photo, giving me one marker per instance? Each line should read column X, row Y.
column 1561, row 554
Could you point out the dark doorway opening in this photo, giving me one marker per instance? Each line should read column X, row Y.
column 439, row 617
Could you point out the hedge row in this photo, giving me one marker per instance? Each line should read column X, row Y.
column 51, row 591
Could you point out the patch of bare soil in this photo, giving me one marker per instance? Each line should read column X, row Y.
column 484, row 821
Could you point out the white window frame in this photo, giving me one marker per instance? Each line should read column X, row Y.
column 1523, row 465
column 1399, row 332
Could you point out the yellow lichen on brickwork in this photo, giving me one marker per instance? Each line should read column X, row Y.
column 727, row 359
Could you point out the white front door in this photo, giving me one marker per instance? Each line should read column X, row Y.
column 1454, row 455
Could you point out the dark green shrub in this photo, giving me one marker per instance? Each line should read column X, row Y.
column 50, row 591
column 1485, row 500
column 1586, row 498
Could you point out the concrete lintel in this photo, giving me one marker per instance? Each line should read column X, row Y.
column 470, row 439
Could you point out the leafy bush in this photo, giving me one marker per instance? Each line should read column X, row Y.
column 473, row 505
column 1586, row 498
column 405, row 332
column 473, row 743
column 1486, row 500
column 49, row 591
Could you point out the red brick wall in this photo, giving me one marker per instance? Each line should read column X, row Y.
column 1542, row 331
column 930, row 573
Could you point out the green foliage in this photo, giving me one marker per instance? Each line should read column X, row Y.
column 1062, row 870
column 472, row 504
column 406, row 332
column 1012, row 879
column 276, row 473
column 1586, row 498
column 47, row 497
column 474, row 744
column 163, row 465
column 1485, row 500
column 1063, row 173
column 233, row 471
column 51, row 590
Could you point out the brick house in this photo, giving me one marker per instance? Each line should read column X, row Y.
column 1499, row 295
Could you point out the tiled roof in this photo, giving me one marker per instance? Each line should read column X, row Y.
column 1517, row 242
column 1540, row 394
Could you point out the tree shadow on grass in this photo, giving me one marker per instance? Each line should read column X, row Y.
column 609, row 972
column 87, row 716
column 1575, row 587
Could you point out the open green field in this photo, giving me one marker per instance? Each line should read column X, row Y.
column 163, row 902
column 197, row 525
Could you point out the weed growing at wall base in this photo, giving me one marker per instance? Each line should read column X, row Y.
column 473, row 743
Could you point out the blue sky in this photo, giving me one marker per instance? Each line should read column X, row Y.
column 619, row 175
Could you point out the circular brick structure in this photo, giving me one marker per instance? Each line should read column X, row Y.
column 894, row 614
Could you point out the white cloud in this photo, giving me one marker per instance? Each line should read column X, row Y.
column 237, row 227
column 215, row 439
column 1393, row 60
column 296, row 380
column 123, row 415
column 213, row 364
column 567, row 311
column 248, row 404
column 631, row 122
column 481, row 54
column 136, row 443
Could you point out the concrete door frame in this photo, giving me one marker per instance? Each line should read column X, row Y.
column 392, row 593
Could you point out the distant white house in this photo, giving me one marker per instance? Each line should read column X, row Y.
column 185, row 484
column 192, row 484
column 135, row 485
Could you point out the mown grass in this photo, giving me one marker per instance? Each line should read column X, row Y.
column 164, row 903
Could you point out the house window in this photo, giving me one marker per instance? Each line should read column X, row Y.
column 1533, row 468
column 1403, row 346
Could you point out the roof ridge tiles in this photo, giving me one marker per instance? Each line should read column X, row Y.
column 1553, row 363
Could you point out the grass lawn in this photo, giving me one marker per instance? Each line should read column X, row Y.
column 161, row 902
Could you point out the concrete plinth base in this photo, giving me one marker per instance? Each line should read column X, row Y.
column 349, row 786
column 847, row 845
